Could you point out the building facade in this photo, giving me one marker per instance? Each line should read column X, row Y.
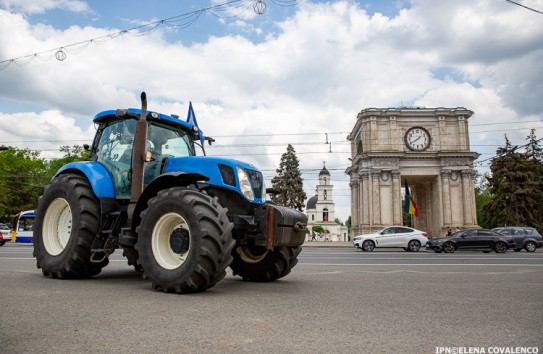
column 426, row 148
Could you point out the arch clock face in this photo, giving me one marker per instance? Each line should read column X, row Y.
column 417, row 139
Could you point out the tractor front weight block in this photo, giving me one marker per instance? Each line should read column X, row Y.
column 281, row 226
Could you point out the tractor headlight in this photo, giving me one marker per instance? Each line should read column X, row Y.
column 245, row 184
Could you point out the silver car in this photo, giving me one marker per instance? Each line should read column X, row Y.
column 5, row 234
column 393, row 236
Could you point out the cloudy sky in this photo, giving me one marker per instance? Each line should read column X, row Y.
column 298, row 74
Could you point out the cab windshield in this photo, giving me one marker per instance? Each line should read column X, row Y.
column 114, row 150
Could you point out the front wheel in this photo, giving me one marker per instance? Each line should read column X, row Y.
column 500, row 247
column 184, row 241
column 259, row 264
column 67, row 221
column 413, row 246
column 530, row 246
column 368, row 246
column 448, row 247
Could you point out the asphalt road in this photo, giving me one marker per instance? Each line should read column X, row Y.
column 336, row 300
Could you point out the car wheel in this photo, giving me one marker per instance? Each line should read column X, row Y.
column 530, row 246
column 500, row 247
column 448, row 247
column 368, row 246
column 413, row 246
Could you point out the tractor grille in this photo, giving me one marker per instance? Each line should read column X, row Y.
column 256, row 181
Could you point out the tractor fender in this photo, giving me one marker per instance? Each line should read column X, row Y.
column 96, row 173
column 164, row 181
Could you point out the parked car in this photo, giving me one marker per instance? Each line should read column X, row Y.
column 5, row 234
column 393, row 236
column 525, row 237
column 472, row 239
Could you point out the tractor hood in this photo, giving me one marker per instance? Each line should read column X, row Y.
column 231, row 174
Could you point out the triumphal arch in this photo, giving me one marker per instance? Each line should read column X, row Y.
column 427, row 148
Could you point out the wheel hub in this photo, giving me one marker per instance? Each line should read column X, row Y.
column 180, row 240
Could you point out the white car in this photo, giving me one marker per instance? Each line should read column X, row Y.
column 393, row 236
column 5, row 234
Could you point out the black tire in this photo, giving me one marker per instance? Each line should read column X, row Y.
column 2, row 243
column 448, row 247
column 530, row 246
column 67, row 221
column 413, row 246
column 184, row 241
column 258, row 264
column 132, row 258
column 500, row 247
column 368, row 245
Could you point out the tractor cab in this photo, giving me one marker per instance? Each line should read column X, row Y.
column 113, row 145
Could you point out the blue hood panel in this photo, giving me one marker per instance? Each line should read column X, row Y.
column 208, row 166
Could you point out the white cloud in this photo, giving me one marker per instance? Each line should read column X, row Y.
column 322, row 66
column 41, row 6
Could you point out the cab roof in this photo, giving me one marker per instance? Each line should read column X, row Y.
column 136, row 112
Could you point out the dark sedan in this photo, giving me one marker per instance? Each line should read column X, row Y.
column 525, row 237
column 472, row 239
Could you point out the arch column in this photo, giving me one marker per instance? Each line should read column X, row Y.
column 355, row 202
column 396, row 198
column 468, row 193
column 446, row 196
column 365, row 205
column 376, row 197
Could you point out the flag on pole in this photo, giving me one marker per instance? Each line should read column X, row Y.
column 191, row 118
column 410, row 205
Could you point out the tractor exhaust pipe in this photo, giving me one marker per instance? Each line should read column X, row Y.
column 138, row 152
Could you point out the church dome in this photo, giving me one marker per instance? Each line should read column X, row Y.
column 324, row 171
column 312, row 202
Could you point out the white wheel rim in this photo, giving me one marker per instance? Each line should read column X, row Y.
column 166, row 257
column 57, row 226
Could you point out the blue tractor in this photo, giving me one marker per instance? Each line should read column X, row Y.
column 179, row 218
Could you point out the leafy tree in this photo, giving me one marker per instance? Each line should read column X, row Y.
column 348, row 223
column 288, row 182
column 317, row 228
column 482, row 197
column 338, row 221
column 22, row 175
column 516, row 185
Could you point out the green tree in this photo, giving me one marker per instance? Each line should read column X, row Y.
column 22, row 176
column 482, row 197
column 71, row 154
column 317, row 228
column 348, row 223
column 338, row 221
column 515, row 185
column 288, row 182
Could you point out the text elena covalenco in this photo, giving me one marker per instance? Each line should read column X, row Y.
column 487, row 350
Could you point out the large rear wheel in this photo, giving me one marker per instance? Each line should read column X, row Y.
column 67, row 221
column 259, row 264
column 184, row 241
